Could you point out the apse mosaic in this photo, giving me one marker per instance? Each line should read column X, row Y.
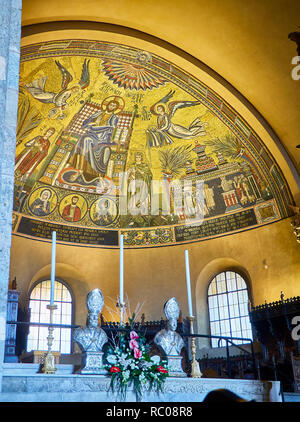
column 101, row 125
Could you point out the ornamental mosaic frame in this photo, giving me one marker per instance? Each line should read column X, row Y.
column 90, row 111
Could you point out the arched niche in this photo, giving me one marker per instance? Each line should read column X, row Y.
column 76, row 282
column 257, row 160
column 210, row 270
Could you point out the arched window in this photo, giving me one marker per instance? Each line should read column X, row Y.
column 228, row 308
column 39, row 299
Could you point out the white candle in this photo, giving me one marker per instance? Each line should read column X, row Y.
column 53, row 267
column 121, row 269
column 188, row 282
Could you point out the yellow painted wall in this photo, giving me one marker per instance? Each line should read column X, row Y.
column 154, row 275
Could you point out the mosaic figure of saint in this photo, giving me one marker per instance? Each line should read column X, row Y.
column 237, row 183
column 139, row 183
column 34, row 152
column 103, row 213
column 248, row 191
column 92, row 152
column 209, row 199
column 41, row 205
column 166, row 129
column 72, row 212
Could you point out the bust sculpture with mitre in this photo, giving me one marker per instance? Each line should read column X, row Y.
column 92, row 338
column 169, row 341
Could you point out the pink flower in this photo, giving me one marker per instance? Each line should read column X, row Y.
column 133, row 335
column 137, row 353
column 133, row 344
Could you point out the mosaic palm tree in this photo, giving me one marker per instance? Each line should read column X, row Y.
column 233, row 149
column 173, row 161
column 229, row 146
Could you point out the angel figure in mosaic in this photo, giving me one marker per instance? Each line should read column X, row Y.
column 166, row 130
column 37, row 89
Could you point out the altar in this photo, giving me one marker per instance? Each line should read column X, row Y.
column 127, row 363
column 23, row 383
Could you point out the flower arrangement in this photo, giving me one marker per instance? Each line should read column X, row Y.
column 129, row 363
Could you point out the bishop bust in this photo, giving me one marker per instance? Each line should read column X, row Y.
column 92, row 338
column 168, row 339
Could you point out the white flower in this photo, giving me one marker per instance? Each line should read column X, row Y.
column 126, row 375
column 145, row 364
column 111, row 359
column 142, row 378
column 155, row 359
column 124, row 360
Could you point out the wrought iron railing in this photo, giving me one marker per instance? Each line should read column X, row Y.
column 151, row 327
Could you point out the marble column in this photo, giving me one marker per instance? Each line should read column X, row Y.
column 10, row 35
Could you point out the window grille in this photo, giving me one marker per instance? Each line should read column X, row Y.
column 39, row 299
column 228, row 308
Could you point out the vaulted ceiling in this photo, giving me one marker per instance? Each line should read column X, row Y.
column 246, row 43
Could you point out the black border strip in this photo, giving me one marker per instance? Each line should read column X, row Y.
column 154, row 246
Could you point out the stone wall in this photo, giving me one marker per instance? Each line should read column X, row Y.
column 10, row 33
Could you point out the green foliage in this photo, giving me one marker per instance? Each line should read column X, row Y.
column 228, row 146
column 174, row 160
column 129, row 363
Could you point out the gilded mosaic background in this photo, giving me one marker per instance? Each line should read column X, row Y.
column 96, row 117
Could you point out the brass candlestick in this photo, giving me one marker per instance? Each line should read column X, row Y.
column 195, row 371
column 49, row 360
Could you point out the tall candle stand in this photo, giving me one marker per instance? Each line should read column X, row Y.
column 49, row 360
column 195, row 371
column 122, row 306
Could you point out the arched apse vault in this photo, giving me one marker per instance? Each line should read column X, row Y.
column 72, row 24
column 244, row 186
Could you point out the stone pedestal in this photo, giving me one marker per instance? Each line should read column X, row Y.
column 175, row 366
column 92, row 363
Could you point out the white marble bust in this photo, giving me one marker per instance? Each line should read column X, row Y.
column 168, row 340
column 92, row 338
